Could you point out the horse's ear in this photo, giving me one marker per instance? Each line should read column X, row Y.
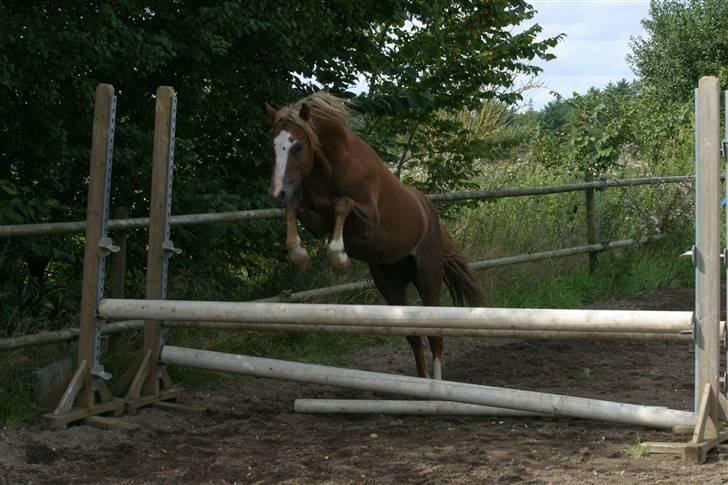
column 305, row 112
column 271, row 111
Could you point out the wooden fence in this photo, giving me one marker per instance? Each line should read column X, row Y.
column 122, row 224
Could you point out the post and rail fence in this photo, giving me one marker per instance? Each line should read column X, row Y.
column 121, row 225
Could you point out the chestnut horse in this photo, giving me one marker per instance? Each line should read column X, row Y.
column 334, row 183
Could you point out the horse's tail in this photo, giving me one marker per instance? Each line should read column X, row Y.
column 457, row 275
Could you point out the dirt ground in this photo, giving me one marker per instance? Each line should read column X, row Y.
column 250, row 433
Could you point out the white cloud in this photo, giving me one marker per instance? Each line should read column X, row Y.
column 594, row 49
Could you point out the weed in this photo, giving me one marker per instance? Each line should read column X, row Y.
column 636, row 449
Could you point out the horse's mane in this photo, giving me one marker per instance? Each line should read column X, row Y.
column 322, row 105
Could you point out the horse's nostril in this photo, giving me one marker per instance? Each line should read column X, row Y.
column 282, row 195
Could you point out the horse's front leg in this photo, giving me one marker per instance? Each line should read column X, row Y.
column 297, row 253
column 337, row 253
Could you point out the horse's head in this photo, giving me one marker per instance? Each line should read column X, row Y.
column 293, row 142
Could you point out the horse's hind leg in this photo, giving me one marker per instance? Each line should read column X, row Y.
column 428, row 280
column 391, row 281
column 415, row 342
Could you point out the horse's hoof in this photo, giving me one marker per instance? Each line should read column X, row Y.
column 300, row 258
column 340, row 261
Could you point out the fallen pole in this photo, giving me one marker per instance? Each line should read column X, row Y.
column 432, row 332
column 418, row 408
column 400, row 316
column 536, row 402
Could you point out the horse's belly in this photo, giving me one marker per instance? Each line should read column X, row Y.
column 376, row 250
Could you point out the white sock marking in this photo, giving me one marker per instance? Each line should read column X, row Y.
column 437, row 369
column 336, row 246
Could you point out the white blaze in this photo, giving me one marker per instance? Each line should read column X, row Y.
column 282, row 145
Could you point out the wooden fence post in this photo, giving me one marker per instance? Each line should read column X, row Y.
column 591, row 227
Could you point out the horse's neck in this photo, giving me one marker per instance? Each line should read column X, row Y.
column 335, row 138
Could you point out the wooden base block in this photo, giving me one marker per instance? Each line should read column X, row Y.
column 61, row 420
column 179, row 408
column 678, row 429
column 697, row 453
column 109, row 423
column 133, row 405
column 692, row 453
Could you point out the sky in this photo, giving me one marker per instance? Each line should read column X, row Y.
column 594, row 49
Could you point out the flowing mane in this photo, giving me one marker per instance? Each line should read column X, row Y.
column 322, row 105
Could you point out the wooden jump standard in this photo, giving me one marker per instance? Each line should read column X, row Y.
column 148, row 383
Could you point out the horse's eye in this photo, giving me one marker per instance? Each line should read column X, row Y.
column 297, row 148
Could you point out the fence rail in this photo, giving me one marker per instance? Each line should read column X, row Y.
column 46, row 229
column 476, row 265
column 59, row 228
column 43, row 338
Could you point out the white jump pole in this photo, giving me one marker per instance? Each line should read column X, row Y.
column 411, row 408
column 420, row 388
column 401, row 316
column 432, row 332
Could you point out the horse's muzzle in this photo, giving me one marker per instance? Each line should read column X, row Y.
column 280, row 199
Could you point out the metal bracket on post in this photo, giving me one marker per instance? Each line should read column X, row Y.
column 107, row 247
column 690, row 253
column 693, row 255
column 169, row 250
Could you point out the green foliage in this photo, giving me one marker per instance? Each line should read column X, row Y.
column 225, row 58
column 636, row 449
column 685, row 40
column 587, row 133
column 445, row 57
column 16, row 396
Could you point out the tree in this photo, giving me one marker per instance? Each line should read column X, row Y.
column 593, row 132
column 443, row 57
column 685, row 40
column 225, row 58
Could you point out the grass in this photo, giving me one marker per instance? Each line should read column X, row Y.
column 17, row 402
column 567, row 283
column 16, row 396
column 636, row 449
